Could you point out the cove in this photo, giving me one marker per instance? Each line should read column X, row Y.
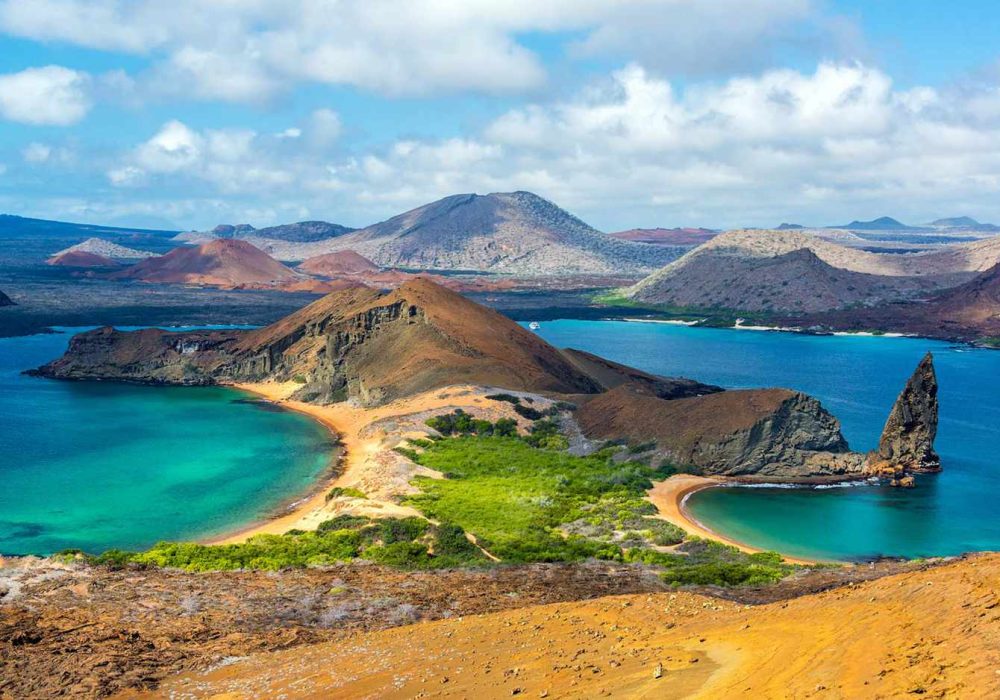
column 93, row 466
column 857, row 378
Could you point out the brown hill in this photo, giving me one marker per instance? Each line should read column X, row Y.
column 218, row 263
column 795, row 281
column 358, row 343
column 81, row 258
column 343, row 262
column 968, row 312
column 667, row 236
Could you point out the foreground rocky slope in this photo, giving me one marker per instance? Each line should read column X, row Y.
column 73, row 630
column 934, row 633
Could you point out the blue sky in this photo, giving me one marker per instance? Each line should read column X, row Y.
column 718, row 113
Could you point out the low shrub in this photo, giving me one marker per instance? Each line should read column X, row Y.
column 344, row 491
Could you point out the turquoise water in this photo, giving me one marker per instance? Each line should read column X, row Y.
column 94, row 466
column 857, row 378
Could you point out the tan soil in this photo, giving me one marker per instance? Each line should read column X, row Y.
column 933, row 633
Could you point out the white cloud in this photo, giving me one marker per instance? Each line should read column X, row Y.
column 249, row 51
column 50, row 95
column 36, row 152
column 632, row 149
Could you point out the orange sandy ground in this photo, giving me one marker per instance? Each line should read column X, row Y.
column 933, row 633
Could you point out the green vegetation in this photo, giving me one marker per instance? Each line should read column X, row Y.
column 340, row 491
column 407, row 543
column 989, row 342
column 524, row 497
column 461, row 423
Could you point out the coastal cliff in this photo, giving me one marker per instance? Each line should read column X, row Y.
column 907, row 443
column 773, row 433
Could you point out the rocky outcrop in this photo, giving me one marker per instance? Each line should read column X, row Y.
column 907, row 443
column 776, row 434
column 5, row 300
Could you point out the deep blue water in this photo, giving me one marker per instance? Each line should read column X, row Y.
column 857, row 379
column 92, row 466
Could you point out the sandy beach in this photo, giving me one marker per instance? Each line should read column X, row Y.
column 368, row 464
column 669, row 496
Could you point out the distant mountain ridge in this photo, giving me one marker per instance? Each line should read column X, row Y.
column 512, row 232
column 883, row 223
column 300, row 232
column 666, row 236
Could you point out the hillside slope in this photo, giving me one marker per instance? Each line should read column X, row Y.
column 516, row 232
column 796, row 281
column 970, row 311
column 81, row 258
column 107, row 249
column 358, row 343
column 344, row 262
column 222, row 262
column 5, row 300
column 933, row 633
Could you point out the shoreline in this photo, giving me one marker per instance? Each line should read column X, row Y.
column 670, row 498
column 290, row 512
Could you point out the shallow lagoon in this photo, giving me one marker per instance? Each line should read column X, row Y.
column 93, row 466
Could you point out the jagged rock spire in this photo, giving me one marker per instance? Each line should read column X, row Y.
column 907, row 443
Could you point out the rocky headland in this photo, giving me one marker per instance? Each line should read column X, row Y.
column 370, row 348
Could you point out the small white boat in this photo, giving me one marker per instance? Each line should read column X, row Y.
column 534, row 325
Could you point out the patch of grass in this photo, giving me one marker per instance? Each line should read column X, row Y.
column 339, row 491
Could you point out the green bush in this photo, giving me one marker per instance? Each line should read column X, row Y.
column 346, row 491
column 509, row 398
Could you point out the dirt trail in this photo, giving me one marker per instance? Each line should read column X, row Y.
column 933, row 633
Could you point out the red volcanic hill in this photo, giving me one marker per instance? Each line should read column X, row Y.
column 220, row 263
column 343, row 262
column 81, row 258
column 666, row 236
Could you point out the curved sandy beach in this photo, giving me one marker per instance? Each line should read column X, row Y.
column 669, row 497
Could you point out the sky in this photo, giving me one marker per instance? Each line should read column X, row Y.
column 628, row 113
